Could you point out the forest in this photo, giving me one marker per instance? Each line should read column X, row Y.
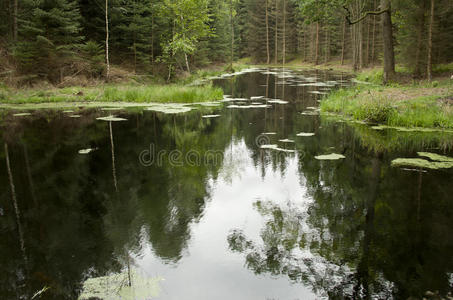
column 55, row 41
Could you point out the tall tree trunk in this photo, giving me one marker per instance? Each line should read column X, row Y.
column 367, row 56
column 304, row 46
column 152, row 38
column 276, row 34
column 232, row 36
column 15, row 11
column 317, row 44
column 107, row 62
column 343, row 42
column 430, row 43
column 387, row 35
column 267, row 35
column 421, row 27
column 373, row 46
column 360, row 44
column 326, row 54
column 284, row 34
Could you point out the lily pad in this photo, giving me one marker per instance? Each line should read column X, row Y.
column 332, row 156
column 286, row 141
column 421, row 163
column 256, row 97
column 435, row 156
column 210, row 116
column 248, row 106
column 269, row 133
column 21, row 114
column 86, row 151
column 318, row 93
column 309, row 113
column 268, row 146
column 305, row 134
column 68, row 111
column 111, row 119
column 74, row 116
column 172, row 108
column 277, row 101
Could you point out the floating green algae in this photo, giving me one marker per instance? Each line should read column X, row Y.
column 435, row 156
column 118, row 286
column 421, row 163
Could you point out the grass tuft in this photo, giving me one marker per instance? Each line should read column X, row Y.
column 117, row 93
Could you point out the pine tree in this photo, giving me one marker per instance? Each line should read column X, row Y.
column 49, row 38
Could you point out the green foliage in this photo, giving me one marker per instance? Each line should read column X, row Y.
column 121, row 93
column 365, row 104
column 49, row 37
column 93, row 53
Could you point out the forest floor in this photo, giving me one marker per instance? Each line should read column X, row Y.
column 407, row 103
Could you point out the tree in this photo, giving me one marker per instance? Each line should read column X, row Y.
column 49, row 38
column 430, row 43
column 188, row 19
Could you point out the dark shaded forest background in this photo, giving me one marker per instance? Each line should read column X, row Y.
column 54, row 39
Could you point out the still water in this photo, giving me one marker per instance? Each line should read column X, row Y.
column 194, row 208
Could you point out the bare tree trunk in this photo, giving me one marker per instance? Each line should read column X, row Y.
column 374, row 34
column 152, row 37
column 367, row 56
column 187, row 62
column 317, row 44
column 430, row 43
column 15, row 11
column 360, row 44
column 387, row 35
column 107, row 62
column 284, row 34
column 421, row 27
column 343, row 42
column 267, row 35
column 232, row 36
column 304, row 46
column 326, row 54
column 276, row 33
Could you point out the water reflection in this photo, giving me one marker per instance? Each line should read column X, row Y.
column 304, row 228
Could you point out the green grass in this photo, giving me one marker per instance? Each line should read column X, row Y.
column 367, row 103
column 115, row 93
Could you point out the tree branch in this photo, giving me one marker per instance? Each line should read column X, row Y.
column 375, row 13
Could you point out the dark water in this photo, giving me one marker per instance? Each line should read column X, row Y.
column 220, row 218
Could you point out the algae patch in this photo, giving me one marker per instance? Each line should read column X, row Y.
column 117, row 286
column 437, row 161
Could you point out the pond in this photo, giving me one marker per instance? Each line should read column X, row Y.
column 255, row 197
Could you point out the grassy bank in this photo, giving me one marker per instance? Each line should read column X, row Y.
column 410, row 104
column 114, row 93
